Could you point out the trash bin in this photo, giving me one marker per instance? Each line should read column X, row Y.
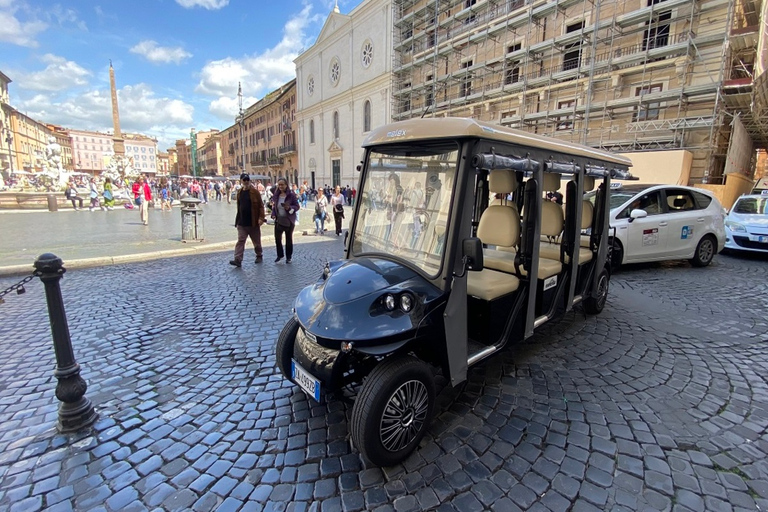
column 191, row 220
column 53, row 203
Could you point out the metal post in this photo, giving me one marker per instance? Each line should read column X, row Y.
column 75, row 411
column 9, row 140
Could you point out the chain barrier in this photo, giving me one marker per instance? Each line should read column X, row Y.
column 19, row 287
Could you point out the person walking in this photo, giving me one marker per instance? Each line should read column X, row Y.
column 337, row 203
column 248, row 220
column 321, row 203
column 109, row 196
column 285, row 204
column 142, row 195
column 94, row 195
column 228, row 190
column 165, row 197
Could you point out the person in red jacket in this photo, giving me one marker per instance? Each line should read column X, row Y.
column 142, row 195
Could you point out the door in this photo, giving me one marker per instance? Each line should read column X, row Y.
column 336, row 165
column 644, row 239
column 312, row 180
column 686, row 222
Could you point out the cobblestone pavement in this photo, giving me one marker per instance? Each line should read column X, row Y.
column 659, row 403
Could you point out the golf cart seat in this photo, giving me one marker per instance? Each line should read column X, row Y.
column 500, row 226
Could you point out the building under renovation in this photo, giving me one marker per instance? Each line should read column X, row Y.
column 676, row 84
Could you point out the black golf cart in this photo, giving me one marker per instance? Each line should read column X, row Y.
column 454, row 250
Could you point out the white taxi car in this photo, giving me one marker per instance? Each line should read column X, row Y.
column 665, row 222
column 746, row 226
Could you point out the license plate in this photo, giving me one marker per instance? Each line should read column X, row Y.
column 761, row 239
column 305, row 380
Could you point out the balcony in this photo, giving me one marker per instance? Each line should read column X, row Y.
column 275, row 160
column 285, row 150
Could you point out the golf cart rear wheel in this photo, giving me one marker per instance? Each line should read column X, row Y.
column 393, row 410
column 284, row 347
column 595, row 303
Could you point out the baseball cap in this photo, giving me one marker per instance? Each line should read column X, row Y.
column 245, row 177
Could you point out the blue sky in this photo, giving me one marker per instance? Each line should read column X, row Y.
column 177, row 62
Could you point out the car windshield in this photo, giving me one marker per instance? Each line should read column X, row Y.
column 751, row 206
column 406, row 197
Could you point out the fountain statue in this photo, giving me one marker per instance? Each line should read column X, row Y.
column 120, row 166
column 52, row 169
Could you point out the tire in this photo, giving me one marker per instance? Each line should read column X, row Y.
column 284, row 347
column 398, row 396
column 617, row 254
column 705, row 251
column 594, row 305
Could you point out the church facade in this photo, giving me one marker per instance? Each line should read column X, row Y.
column 343, row 90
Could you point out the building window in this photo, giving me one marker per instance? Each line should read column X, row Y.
column 312, row 131
column 335, row 71
column 572, row 56
column 367, row 54
column 647, row 111
column 657, row 33
column 465, row 89
column 311, row 85
column 367, row 116
column 565, row 122
column 336, row 125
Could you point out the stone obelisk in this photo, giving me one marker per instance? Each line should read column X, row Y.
column 118, row 143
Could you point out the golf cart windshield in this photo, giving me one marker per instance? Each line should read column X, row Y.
column 406, row 197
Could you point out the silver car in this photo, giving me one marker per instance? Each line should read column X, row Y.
column 746, row 226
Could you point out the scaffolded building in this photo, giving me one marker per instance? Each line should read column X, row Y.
column 627, row 76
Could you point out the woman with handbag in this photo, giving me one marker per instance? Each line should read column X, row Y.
column 337, row 202
column 109, row 197
column 285, row 204
column 142, row 195
column 321, row 202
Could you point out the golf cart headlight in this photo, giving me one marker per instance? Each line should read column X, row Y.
column 735, row 226
column 389, row 302
column 406, row 302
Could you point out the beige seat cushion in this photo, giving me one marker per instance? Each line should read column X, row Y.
column 547, row 268
column 552, row 252
column 499, row 259
column 489, row 284
column 584, row 242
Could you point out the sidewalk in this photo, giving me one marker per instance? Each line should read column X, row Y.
column 84, row 239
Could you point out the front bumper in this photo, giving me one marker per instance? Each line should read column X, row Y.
column 741, row 242
column 325, row 364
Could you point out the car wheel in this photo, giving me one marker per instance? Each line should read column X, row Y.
column 284, row 347
column 393, row 410
column 705, row 252
column 617, row 254
column 595, row 304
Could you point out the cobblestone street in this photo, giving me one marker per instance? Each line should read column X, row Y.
column 659, row 403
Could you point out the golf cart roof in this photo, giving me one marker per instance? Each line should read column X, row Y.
column 457, row 127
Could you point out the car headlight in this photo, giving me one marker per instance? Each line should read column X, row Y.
column 735, row 226
column 389, row 302
column 406, row 302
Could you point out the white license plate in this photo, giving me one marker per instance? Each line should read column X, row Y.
column 762, row 239
column 305, row 380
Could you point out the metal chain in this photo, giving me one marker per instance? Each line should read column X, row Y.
column 19, row 287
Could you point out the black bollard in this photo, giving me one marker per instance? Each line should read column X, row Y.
column 75, row 411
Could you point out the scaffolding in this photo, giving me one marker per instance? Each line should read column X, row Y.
column 621, row 76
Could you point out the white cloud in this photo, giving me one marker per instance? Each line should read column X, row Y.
column 160, row 54
column 58, row 75
column 65, row 17
column 141, row 111
column 211, row 5
column 258, row 73
column 15, row 31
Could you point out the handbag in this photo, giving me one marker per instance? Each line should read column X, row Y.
column 138, row 201
column 107, row 195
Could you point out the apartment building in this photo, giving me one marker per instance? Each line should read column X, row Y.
column 29, row 139
column 184, row 157
column 91, row 151
column 142, row 151
column 660, row 80
column 6, row 137
column 230, row 150
column 344, row 89
column 268, row 136
column 209, row 155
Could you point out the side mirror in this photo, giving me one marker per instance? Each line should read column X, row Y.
column 473, row 252
column 637, row 213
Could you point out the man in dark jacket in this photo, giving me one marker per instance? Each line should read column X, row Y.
column 249, row 219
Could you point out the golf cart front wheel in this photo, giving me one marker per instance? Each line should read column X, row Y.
column 393, row 410
column 284, row 347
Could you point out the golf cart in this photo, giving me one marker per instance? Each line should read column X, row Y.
column 438, row 275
